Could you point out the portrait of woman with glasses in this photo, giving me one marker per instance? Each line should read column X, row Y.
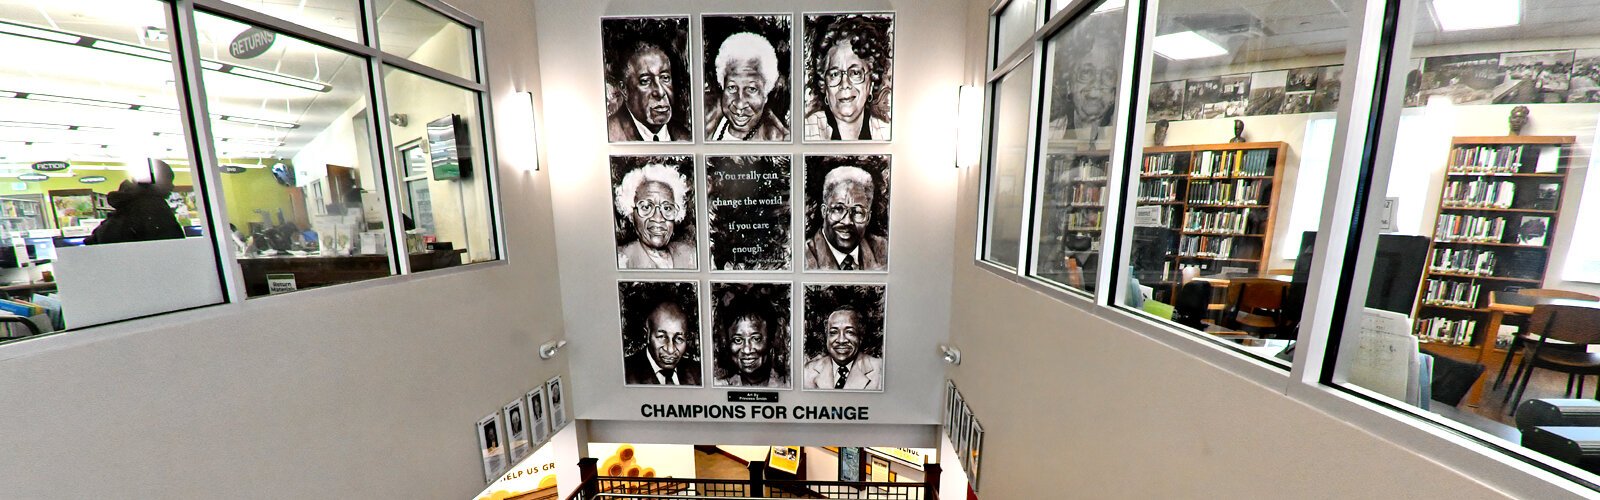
column 847, row 212
column 849, row 76
column 654, row 202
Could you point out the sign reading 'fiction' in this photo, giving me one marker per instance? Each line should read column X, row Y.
column 251, row 43
column 51, row 166
column 754, row 412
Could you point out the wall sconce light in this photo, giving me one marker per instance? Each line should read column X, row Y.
column 951, row 355
column 969, row 125
column 399, row 119
column 549, row 349
column 524, row 102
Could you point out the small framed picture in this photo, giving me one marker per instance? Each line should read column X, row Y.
column 558, row 404
column 974, row 456
column 494, row 455
column 539, row 425
column 517, row 430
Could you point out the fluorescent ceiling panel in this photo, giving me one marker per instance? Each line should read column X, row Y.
column 1460, row 15
column 1187, row 45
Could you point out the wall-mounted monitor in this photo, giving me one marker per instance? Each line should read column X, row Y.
column 449, row 148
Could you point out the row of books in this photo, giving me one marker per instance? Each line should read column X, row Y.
column 1086, row 195
column 1232, row 163
column 1239, row 192
column 1451, row 293
column 21, row 307
column 1505, row 159
column 1470, row 228
column 1085, row 220
column 1158, row 190
column 1479, row 193
column 1169, row 215
column 1447, row 331
column 1160, row 164
column 1220, row 247
column 1226, row 222
column 1459, row 261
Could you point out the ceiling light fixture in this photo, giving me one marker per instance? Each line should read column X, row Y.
column 81, row 101
column 257, row 121
column 1186, row 45
column 135, row 107
column 46, row 126
column 1460, row 15
column 157, row 55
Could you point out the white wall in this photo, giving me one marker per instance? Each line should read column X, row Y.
column 354, row 391
column 1122, row 415
column 926, row 76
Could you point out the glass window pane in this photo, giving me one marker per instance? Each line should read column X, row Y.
column 340, row 18
column 1008, row 164
column 1085, row 61
column 1017, row 22
column 1239, row 132
column 295, row 137
column 1491, row 212
column 91, row 153
column 444, row 170
column 410, row 30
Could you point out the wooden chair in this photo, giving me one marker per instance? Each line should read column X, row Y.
column 1255, row 305
column 1524, row 337
column 1573, row 324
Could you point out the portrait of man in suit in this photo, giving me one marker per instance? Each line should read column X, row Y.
column 647, row 79
column 848, row 224
column 844, row 343
column 660, row 332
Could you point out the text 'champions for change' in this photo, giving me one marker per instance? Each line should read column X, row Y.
column 754, row 412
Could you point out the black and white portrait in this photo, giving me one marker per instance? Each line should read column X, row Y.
column 849, row 62
column 660, row 333
column 1541, row 77
column 847, row 212
column 653, row 201
column 750, row 335
column 1166, row 101
column 1084, row 86
column 558, row 404
column 747, row 77
column 1585, row 82
column 517, row 438
column 1266, row 93
column 494, row 456
column 844, row 337
column 647, row 78
column 536, row 420
column 748, row 214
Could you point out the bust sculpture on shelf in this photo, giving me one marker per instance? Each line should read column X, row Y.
column 1161, row 131
column 1238, row 131
column 1518, row 119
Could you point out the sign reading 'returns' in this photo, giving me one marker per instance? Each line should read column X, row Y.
column 251, row 43
column 754, row 412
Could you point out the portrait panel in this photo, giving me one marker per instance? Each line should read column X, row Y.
column 747, row 68
column 539, row 425
column 646, row 78
column 748, row 214
column 516, row 431
column 558, row 404
column 849, row 88
column 847, row 212
column 750, row 335
column 844, row 337
column 493, row 453
column 653, row 210
column 660, row 333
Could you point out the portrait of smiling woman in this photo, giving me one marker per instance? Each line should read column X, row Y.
column 750, row 334
column 849, row 77
column 653, row 199
column 747, row 68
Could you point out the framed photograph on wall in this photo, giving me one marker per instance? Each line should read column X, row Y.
column 647, row 83
column 493, row 453
column 538, row 423
column 558, row 404
column 653, row 201
column 660, row 328
column 748, row 77
column 844, row 337
column 847, row 212
column 517, row 430
column 849, row 463
column 849, row 87
column 751, row 335
column 749, row 212
column 974, row 456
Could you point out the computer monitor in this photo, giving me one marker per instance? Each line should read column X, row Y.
column 1397, row 268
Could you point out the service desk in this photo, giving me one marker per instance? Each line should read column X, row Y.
column 311, row 272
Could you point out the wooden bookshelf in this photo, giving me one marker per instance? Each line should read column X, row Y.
column 1496, row 193
column 1200, row 203
column 1074, row 184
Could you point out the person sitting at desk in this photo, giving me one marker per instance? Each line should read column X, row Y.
column 140, row 210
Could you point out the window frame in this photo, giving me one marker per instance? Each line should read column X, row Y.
column 194, row 119
column 1359, row 139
